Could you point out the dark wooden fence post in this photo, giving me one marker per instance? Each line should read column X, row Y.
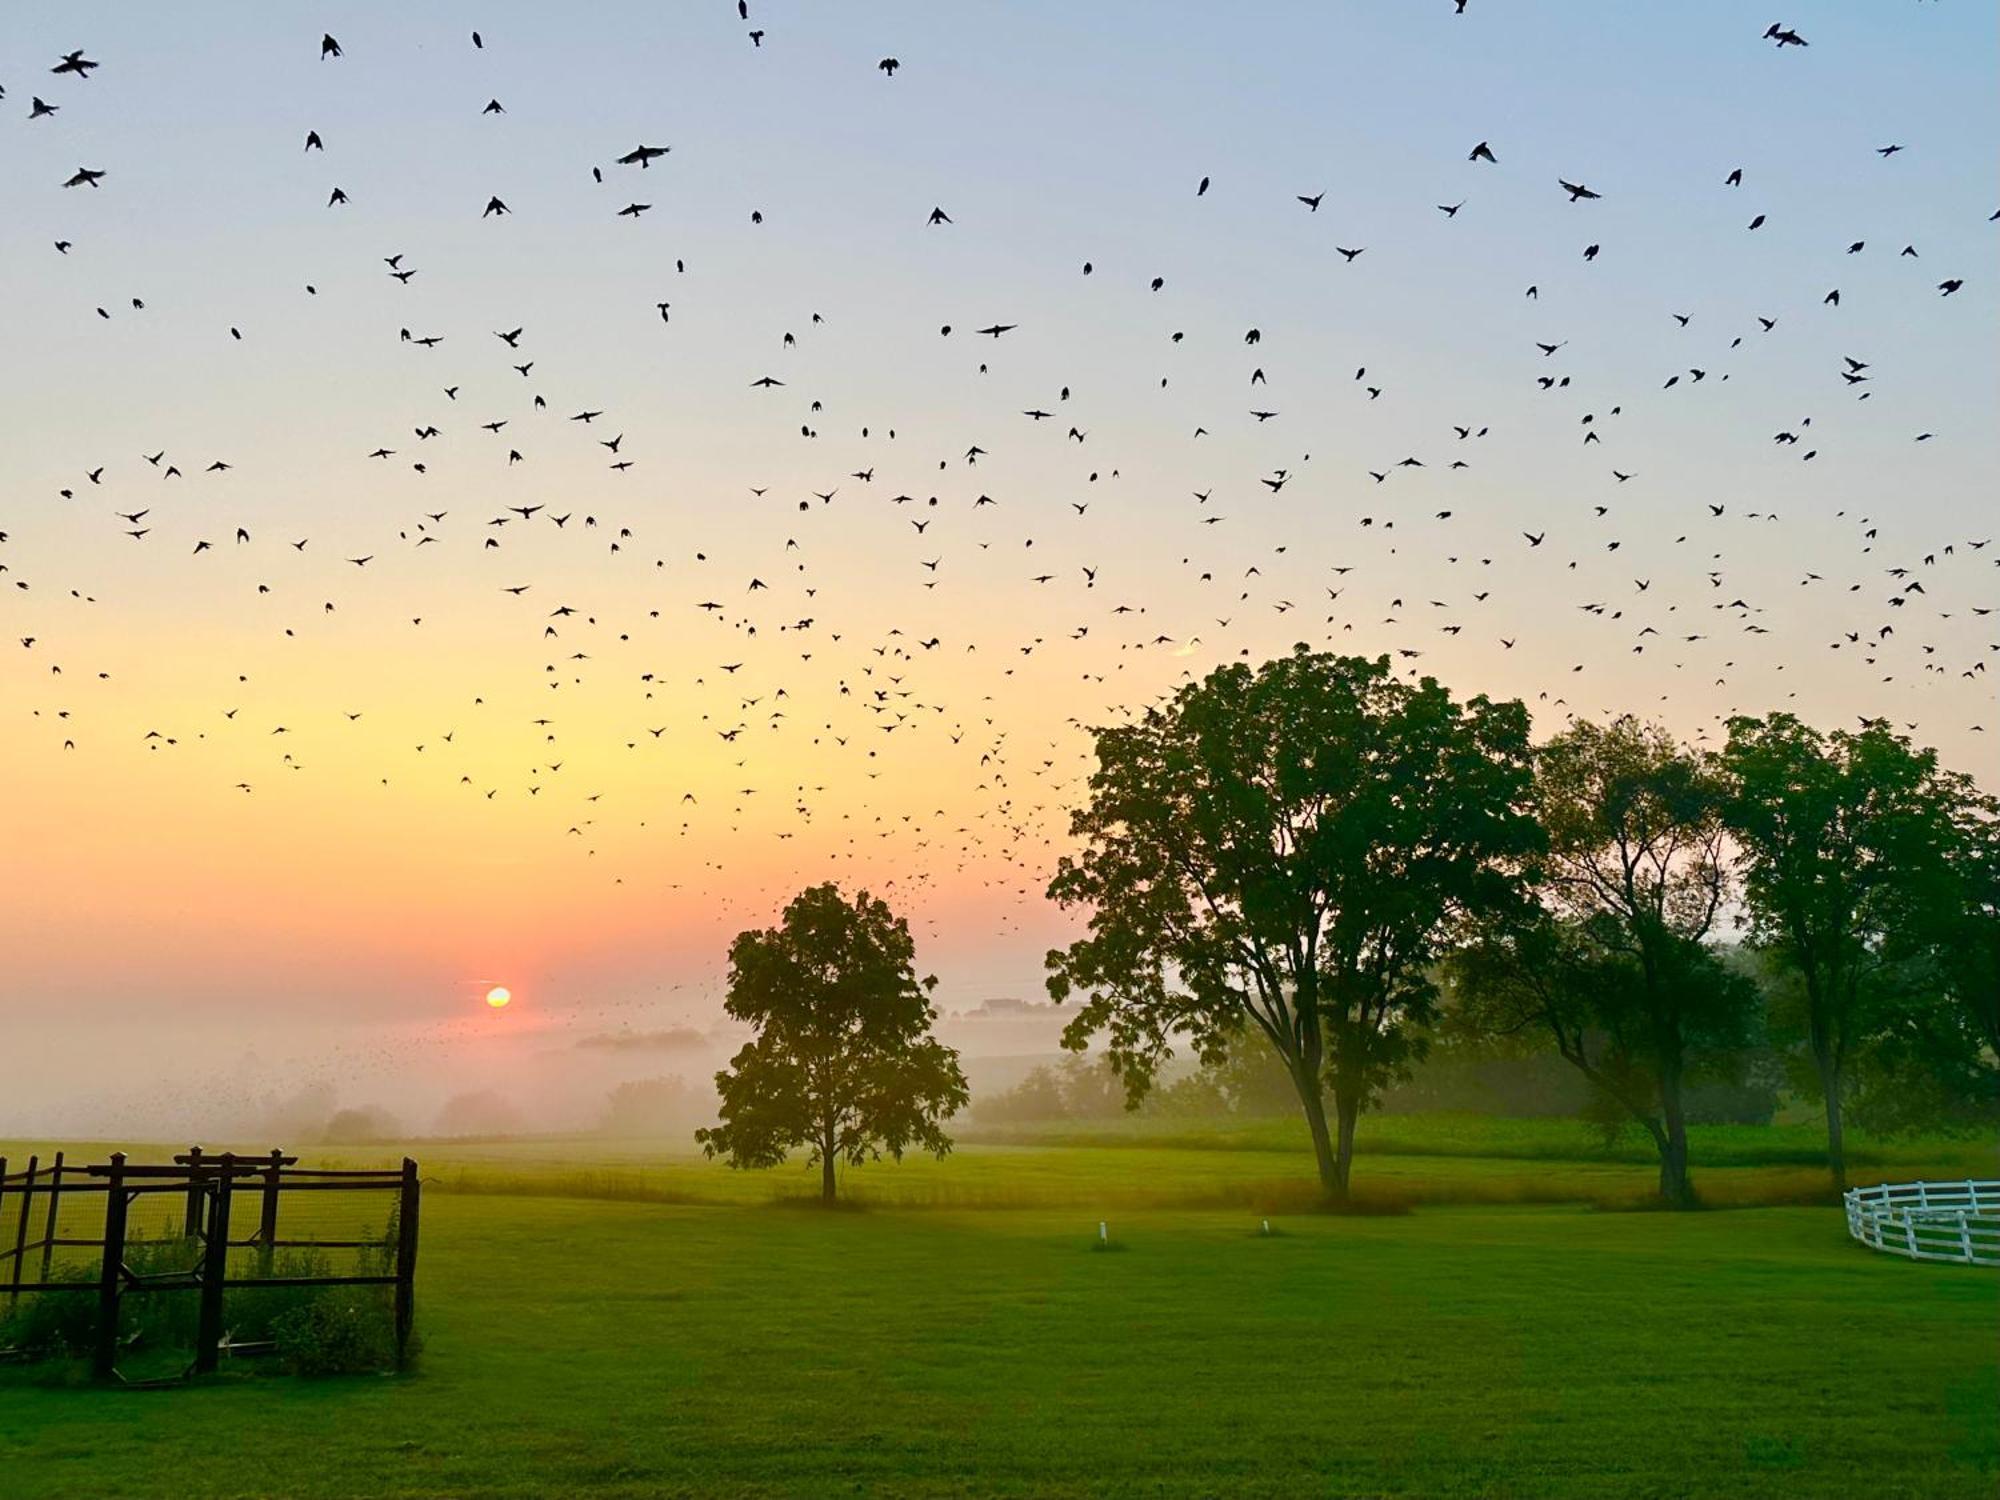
column 21, row 1233
column 194, row 1195
column 49, row 1225
column 267, row 1222
column 406, row 1261
column 110, row 1276
column 214, row 1269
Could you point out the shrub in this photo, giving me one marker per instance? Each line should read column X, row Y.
column 52, row 1325
column 63, row 1325
column 336, row 1330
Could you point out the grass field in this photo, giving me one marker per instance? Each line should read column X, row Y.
column 592, row 1336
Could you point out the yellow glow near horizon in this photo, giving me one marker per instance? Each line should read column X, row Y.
column 498, row 996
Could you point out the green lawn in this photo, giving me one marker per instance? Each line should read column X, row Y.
column 1257, row 1165
column 582, row 1345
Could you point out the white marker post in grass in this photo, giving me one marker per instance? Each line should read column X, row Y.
column 1267, row 1226
column 1103, row 1233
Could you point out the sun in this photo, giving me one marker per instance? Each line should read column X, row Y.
column 498, row 996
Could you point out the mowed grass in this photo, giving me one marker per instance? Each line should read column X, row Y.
column 1255, row 1165
column 579, row 1344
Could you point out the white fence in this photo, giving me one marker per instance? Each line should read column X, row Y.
column 1929, row 1220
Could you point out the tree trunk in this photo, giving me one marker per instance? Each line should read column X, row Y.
column 1836, row 1151
column 1675, row 1189
column 1347, row 1109
column 1820, row 1025
column 826, row 1166
column 1331, row 1176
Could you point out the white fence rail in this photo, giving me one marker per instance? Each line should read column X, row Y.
column 1958, row 1221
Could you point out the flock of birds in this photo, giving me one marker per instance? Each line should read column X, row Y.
column 775, row 704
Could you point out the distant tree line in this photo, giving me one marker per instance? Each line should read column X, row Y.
column 1462, row 1071
column 1341, row 864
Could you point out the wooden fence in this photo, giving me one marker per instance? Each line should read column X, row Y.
column 1958, row 1221
column 53, row 1216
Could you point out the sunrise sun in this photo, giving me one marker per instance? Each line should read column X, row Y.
column 498, row 996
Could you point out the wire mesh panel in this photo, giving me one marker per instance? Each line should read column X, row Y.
column 337, row 1227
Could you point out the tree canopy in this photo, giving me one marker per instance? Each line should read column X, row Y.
column 1837, row 832
column 1285, row 849
column 1936, row 1057
column 843, row 1063
column 1613, row 962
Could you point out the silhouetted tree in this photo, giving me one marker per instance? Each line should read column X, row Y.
column 1938, row 1054
column 1578, row 983
column 1615, row 964
column 1839, row 834
column 843, row 1063
column 1283, row 849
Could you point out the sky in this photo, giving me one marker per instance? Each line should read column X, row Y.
column 265, row 802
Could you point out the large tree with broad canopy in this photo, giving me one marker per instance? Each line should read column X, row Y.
column 1285, row 849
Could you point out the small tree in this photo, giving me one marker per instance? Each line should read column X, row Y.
column 844, row 1062
column 1283, row 849
column 1634, row 884
column 1833, row 829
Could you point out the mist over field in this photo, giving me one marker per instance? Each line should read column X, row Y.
column 207, row 1076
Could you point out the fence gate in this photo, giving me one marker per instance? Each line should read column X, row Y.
column 204, row 1224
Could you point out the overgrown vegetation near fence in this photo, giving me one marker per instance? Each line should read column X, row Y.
column 126, row 1262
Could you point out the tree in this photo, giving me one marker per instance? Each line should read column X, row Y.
column 1039, row 1096
column 1938, row 1055
column 844, row 1062
column 1617, row 966
column 641, row 1107
column 1833, row 830
column 1282, row 849
column 361, row 1126
column 1573, row 981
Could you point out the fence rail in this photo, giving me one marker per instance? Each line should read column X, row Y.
column 1953, row 1221
column 47, row 1211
